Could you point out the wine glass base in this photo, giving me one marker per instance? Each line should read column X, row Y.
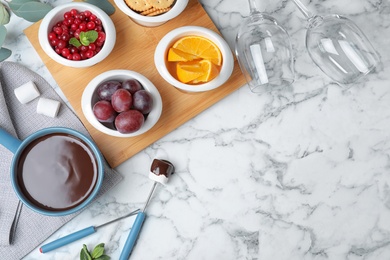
column 271, row 86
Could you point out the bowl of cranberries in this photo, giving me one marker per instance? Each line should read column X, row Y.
column 121, row 103
column 77, row 34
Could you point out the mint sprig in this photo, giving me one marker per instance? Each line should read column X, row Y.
column 97, row 253
column 86, row 38
column 74, row 42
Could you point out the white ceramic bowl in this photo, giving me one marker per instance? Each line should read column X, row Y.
column 152, row 21
column 57, row 14
column 161, row 52
column 90, row 97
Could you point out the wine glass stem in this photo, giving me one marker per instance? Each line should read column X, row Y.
column 253, row 7
column 303, row 9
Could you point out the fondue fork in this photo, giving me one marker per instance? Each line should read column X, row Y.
column 79, row 234
column 159, row 167
column 136, row 228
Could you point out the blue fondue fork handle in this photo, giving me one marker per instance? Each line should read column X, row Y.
column 80, row 234
column 68, row 239
column 132, row 238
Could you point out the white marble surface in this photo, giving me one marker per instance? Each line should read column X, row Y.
column 299, row 175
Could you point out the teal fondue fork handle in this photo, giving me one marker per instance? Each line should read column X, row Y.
column 79, row 234
column 67, row 239
column 136, row 228
column 132, row 238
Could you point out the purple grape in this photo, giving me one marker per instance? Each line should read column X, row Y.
column 132, row 85
column 104, row 112
column 121, row 100
column 143, row 101
column 107, row 89
column 129, row 121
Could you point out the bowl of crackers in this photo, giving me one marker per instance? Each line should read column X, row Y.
column 151, row 13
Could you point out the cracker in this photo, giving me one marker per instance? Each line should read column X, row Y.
column 159, row 11
column 160, row 3
column 150, row 10
column 138, row 5
column 155, row 11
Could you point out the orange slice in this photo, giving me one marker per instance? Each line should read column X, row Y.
column 210, row 71
column 178, row 55
column 201, row 47
column 188, row 71
column 194, row 72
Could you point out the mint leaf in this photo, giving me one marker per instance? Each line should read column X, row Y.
column 88, row 37
column 92, row 35
column 98, row 251
column 84, row 39
column 74, row 42
column 84, row 254
column 100, row 245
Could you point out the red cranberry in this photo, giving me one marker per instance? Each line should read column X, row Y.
column 67, row 15
column 73, row 12
column 87, row 13
column 65, row 52
column 52, row 36
column 83, row 26
column 76, row 56
column 91, row 25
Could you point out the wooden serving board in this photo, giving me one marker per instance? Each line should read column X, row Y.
column 134, row 50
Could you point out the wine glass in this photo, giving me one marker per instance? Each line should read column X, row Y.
column 338, row 46
column 264, row 52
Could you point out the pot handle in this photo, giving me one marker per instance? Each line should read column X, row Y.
column 9, row 141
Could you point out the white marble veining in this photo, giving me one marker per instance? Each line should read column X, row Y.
column 303, row 174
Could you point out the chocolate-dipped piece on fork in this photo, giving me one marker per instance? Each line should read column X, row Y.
column 160, row 171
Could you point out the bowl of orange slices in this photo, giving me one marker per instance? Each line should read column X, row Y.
column 194, row 59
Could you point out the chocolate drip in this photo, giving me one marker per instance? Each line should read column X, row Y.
column 162, row 167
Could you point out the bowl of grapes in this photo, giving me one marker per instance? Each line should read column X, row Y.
column 121, row 103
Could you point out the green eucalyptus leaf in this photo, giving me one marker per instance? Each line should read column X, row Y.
column 4, row 15
column 3, row 34
column 16, row 4
column 104, row 5
column 4, row 53
column 33, row 11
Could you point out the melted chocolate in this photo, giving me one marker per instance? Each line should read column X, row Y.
column 57, row 171
column 162, row 167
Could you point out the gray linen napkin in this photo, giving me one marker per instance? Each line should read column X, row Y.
column 31, row 228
